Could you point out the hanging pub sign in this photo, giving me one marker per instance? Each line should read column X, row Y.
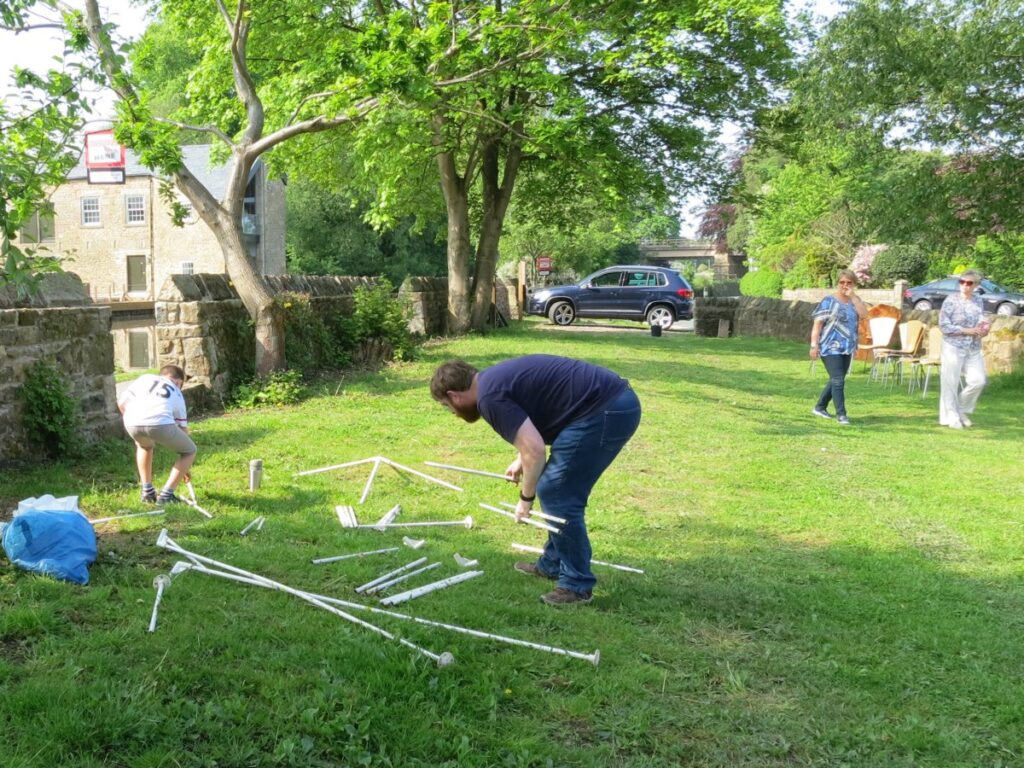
column 544, row 265
column 104, row 158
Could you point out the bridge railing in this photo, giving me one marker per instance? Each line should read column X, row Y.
column 668, row 243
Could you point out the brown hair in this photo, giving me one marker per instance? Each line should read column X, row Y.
column 453, row 376
column 173, row 372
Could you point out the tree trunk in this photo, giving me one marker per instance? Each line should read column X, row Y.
column 496, row 197
column 459, row 249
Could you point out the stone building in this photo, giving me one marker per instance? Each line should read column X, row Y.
column 119, row 238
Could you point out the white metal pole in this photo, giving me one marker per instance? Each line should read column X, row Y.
column 166, row 542
column 468, row 471
column 399, row 579
column 413, row 543
column 403, row 468
column 539, row 513
column 99, row 520
column 466, row 522
column 369, row 482
column 161, row 583
column 335, row 466
column 426, row 589
column 539, row 551
column 193, row 503
column 390, row 574
column 528, row 521
column 594, row 658
column 389, row 517
column 336, row 558
column 250, row 526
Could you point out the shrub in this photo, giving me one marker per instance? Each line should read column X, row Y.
column 309, row 344
column 380, row 316
column 764, row 282
column 279, row 388
column 1001, row 257
column 799, row 276
column 51, row 418
column 899, row 262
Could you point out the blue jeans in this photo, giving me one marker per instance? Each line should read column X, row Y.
column 580, row 453
column 837, row 366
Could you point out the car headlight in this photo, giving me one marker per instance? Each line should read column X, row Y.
column 541, row 295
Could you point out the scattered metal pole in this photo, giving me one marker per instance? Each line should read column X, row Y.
column 335, row 466
column 538, row 550
column 465, row 562
column 399, row 579
column 416, row 472
column 390, row 574
column 594, row 658
column 255, row 474
column 193, row 503
column 426, row 589
column 413, row 543
column 468, row 471
column 161, row 583
column 539, row 513
column 254, row 524
column 346, row 516
column 369, row 483
column 528, row 521
column 389, row 517
column 99, row 520
column 466, row 522
column 336, row 558
column 243, row 576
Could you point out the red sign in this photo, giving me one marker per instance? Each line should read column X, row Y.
column 102, row 151
column 544, row 264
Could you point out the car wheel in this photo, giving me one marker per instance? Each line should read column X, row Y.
column 561, row 313
column 924, row 305
column 1006, row 308
column 662, row 316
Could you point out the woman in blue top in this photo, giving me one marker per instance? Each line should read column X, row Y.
column 834, row 340
column 963, row 328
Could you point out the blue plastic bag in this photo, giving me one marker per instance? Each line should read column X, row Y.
column 61, row 544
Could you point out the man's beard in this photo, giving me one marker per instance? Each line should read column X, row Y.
column 467, row 413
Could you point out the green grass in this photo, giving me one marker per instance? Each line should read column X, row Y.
column 814, row 595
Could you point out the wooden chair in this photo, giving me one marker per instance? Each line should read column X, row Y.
column 929, row 361
column 882, row 320
column 892, row 360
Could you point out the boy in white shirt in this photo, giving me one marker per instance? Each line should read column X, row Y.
column 154, row 414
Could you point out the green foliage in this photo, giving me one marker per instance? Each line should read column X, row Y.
column 899, row 262
column 799, row 276
column 51, row 418
column 763, row 282
column 1001, row 257
column 279, row 388
column 310, row 344
column 380, row 315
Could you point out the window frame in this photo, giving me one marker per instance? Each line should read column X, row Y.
column 82, row 211
column 128, row 210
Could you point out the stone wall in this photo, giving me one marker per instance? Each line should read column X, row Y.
column 791, row 320
column 75, row 339
column 892, row 296
column 428, row 300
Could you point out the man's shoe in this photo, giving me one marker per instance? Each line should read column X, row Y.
column 821, row 412
column 844, row 421
column 168, row 498
column 966, row 421
column 149, row 497
column 562, row 596
column 531, row 569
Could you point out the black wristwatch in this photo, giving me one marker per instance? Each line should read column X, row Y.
column 526, row 498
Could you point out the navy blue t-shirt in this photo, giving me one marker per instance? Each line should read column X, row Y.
column 551, row 391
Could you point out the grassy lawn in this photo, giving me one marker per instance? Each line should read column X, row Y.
column 814, row 595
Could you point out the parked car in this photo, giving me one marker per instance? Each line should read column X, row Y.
column 994, row 297
column 655, row 295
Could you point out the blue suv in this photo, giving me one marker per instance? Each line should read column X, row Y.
column 655, row 295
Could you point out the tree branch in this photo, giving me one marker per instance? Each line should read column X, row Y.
column 211, row 129
column 313, row 125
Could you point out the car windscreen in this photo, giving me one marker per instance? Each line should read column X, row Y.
column 991, row 287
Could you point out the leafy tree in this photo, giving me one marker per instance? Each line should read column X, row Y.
column 899, row 262
column 1001, row 257
column 620, row 98
column 38, row 146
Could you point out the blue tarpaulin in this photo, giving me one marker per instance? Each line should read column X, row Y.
column 58, row 541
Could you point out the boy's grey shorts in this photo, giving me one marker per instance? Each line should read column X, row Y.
column 168, row 435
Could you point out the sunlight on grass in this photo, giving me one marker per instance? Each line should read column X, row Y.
column 813, row 595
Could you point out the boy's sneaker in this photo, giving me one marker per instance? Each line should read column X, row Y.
column 821, row 412
column 149, row 497
column 531, row 569
column 562, row 596
column 166, row 497
column 844, row 421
